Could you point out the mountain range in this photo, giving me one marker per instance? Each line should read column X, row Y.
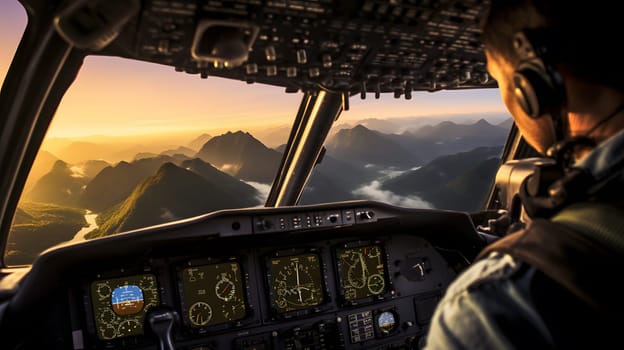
column 60, row 186
column 178, row 181
column 173, row 193
column 114, row 183
column 363, row 146
column 457, row 181
column 409, row 149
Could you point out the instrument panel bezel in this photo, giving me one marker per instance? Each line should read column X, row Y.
column 247, row 320
column 89, row 314
column 324, row 305
column 389, row 291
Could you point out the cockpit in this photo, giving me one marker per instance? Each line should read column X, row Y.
column 225, row 242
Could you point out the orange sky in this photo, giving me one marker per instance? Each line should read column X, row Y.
column 118, row 96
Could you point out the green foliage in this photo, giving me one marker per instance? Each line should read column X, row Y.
column 173, row 193
column 39, row 226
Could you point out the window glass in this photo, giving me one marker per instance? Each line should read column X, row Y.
column 134, row 144
column 439, row 150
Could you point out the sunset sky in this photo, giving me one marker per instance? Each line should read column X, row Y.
column 116, row 96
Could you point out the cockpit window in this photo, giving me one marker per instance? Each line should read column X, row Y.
column 12, row 23
column 438, row 150
column 134, row 145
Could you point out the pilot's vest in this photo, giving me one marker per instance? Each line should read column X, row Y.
column 578, row 286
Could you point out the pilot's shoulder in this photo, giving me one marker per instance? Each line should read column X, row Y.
column 497, row 267
column 485, row 306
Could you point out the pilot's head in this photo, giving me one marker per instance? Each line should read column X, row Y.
column 557, row 57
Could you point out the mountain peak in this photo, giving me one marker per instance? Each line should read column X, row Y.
column 240, row 154
column 199, row 141
column 167, row 167
column 356, row 130
column 60, row 167
column 483, row 122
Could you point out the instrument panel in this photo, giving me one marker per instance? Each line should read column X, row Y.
column 120, row 304
column 349, row 282
column 350, row 289
column 212, row 294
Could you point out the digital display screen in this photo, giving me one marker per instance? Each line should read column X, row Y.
column 361, row 271
column 296, row 282
column 120, row 304
column 213, row 294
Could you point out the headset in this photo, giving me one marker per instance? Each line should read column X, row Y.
column 538, row 86
column 539, row 90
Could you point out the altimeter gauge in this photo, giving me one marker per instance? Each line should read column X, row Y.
column 296, row 282
column 225, row 289
column 200, row 313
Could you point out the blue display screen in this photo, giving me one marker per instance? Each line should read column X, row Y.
column 127, row 300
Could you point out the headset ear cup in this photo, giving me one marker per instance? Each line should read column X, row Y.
column 534, row 91
column 525, row 95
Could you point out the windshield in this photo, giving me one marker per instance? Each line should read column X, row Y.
column 136, row 144
column 439, row 150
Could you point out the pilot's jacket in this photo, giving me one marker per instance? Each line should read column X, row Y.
column 503, row 302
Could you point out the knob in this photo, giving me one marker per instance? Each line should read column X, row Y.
column 264, row 224
column 367, row 215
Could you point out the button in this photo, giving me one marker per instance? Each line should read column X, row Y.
column 270, row 54
column 302, row 57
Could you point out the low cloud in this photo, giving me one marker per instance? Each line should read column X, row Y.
column 373, row 191
column 263, row 190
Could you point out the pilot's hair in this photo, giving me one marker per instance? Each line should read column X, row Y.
column 584, row 36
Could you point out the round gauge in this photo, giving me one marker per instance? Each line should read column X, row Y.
column 128, row 327
column 386, row 322
column 200, row 313
column 107, row 316
column 356, row 276
column 103, row 290
column 225, row 289
column 376, row 284
column 297, row 284
column 108, row 332
column 233, row 309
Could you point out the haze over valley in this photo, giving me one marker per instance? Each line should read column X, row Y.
column 134, row 182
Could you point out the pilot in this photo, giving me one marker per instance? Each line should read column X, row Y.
column 554, row 283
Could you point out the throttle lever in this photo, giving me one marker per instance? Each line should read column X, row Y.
column 161, row 321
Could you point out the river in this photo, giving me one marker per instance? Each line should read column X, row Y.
column 90, row 218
